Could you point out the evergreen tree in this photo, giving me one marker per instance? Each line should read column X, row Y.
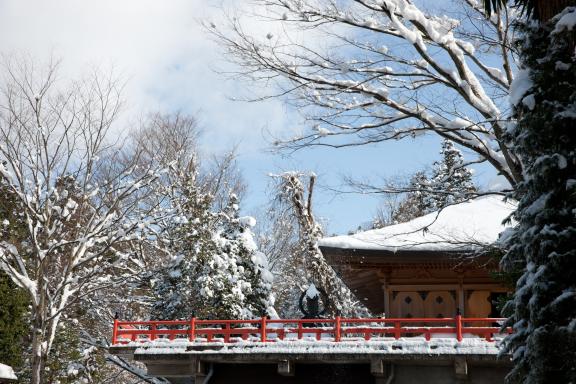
column 419, row 200
column 72, row 361
column 190, row 238
column 14, row 316
column 450, row 183
column 218, row 271
column 13, row 323
column 234, row 282
column 451, row 180
column 543, row 310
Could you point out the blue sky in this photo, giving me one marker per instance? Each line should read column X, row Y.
column 168, row 62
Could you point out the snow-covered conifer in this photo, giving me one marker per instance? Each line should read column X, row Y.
column 542, row 246
column 234, row 281
column 218, row 271
column 451, row 180
column 419, row 200
column 189, row 235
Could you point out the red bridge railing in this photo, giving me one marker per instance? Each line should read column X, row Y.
column 337, row 329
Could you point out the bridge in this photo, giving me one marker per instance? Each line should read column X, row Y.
column 339, row 349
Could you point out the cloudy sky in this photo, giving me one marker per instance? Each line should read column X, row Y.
column 169, row 63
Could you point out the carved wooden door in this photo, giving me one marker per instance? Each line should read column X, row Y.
column 407, row 304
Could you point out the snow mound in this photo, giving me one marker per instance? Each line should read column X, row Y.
column 6, row 372
column 568, row 21
column 458, row 227
column 312, row 291
column 521, row 84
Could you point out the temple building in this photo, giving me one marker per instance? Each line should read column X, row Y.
column 429, row 267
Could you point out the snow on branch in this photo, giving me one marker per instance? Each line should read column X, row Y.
column 385, row 70
column 73, row 207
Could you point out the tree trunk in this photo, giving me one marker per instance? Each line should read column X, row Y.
column 39, row 342
column 38, row 359
column 547, row 9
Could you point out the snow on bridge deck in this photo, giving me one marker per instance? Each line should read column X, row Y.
column 390, row 346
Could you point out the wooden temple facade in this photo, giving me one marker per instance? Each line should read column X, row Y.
column 406, row 284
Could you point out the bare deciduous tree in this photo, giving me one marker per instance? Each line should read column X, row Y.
column 306, row 264
column 77, row 227
column 387, row 70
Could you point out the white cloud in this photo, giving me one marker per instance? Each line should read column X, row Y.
column 158, row 46
column 168, row 60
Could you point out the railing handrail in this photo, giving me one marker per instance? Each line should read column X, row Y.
column 263, row 331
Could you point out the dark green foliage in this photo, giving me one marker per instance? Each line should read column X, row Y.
column 418, row 201
column 13, row 323
column 244, row 276
column 451, row 180
column 13, row 300
column 543, row 246
column 72, row 361
column 190, row 241
column 217, row 272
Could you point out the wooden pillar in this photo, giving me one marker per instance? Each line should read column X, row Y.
column 286, row 368
column 461, row 367
column 382, row 372
column 461, row 295
column 386, row 291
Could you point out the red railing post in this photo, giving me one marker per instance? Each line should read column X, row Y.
column 192, row 336
column 299, row 330
column 337, row 329
column 115, row 332
column 397, row 330
column 227, row 333
column 153, row 331
column 459, row 327
column 263, row 329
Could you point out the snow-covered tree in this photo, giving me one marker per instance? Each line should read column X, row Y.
column 450, row 183
column 190, row 239
column 419, row 201
column 542, row 246
column 451, row 180
column 52, row 138
column 278, row 238
column 385, row 70
column 209, row 267
column 307, row 264
column 218, row 272
column 234, row 282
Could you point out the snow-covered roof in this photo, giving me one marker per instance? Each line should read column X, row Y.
column 458, row 227
column 6, row 372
